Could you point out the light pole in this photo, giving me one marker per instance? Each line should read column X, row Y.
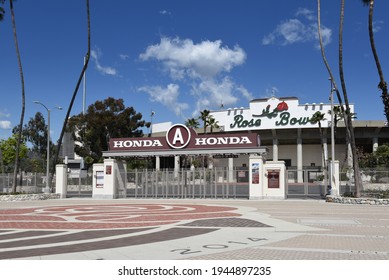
column 334, row 187
column 47, row 189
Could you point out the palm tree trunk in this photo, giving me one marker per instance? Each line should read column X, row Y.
column 382, row 85
column 87, row 56
column 19, row 138
column 347, row 115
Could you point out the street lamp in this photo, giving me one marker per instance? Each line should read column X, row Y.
column 334, row 187
column 47, row 189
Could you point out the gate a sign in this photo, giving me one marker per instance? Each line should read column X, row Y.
column 181, row 137
column 178, row 136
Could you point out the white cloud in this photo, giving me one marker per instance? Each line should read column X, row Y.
column 308, row 14
column 205, row 67
column 204, row 60
column 294, row 30
column 377, row 25
column 5, row 124
column 272, row 91
column 124, row 56
column 164, row 12
column 95, row 55
column 167, row 96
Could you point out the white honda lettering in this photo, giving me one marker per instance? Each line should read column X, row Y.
column 118, row 144
column 200, row 141
column 234, row 140
column 157, row 143
column 127, row 144
column 245, row 140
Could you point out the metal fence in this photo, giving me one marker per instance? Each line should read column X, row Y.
column 196, row 183
column 306, row 183
column 80, row 184
column 372, row 180
column 26, row 182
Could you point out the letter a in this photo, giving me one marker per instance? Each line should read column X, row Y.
column 178, row 137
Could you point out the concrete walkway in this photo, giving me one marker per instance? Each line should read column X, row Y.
column 149, row 229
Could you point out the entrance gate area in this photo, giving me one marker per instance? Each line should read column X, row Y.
column 197, row 183
column 202, row 183
column 306, row 183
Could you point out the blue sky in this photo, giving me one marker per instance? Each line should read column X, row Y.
column 180, row 57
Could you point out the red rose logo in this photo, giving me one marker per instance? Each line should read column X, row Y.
column 282, row 106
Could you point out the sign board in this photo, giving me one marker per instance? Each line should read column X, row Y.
column 181, row 137
column 272, row 113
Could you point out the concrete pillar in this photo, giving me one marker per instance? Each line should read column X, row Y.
column 275, row 149
column 157, row 163
column 256, row 177
column 300, row 178
column 61, row 180
column 176, row 165
column 231, row 169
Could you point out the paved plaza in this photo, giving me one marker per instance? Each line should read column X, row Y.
column 159, row 229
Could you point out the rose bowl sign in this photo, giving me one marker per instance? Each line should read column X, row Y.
column 181, row 137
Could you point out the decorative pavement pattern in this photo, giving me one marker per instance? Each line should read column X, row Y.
column 50, row 230
column 192, row 229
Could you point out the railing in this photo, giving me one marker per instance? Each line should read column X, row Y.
column 196, row 183
column 372, row 180
column 26, row 182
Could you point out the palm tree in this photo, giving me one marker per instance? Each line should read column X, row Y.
column 318, row 117
column 17, row 160
column 193, row 123
column 383, row 86
column 213, row 123
column 2, row 11
column 87, row 56
column 204, row 116
column 346, row 112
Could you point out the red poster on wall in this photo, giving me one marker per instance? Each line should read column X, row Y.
column 273, row 179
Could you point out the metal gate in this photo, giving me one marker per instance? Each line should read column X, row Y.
column 79, row 184
column 305, row 183
column 196, row 183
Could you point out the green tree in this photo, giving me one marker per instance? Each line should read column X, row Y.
column 204, row 116
column 213, row 123
column 35, row 132
column 8, row 149
column 104, row 120
column 378, row 158
column 192, row 122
